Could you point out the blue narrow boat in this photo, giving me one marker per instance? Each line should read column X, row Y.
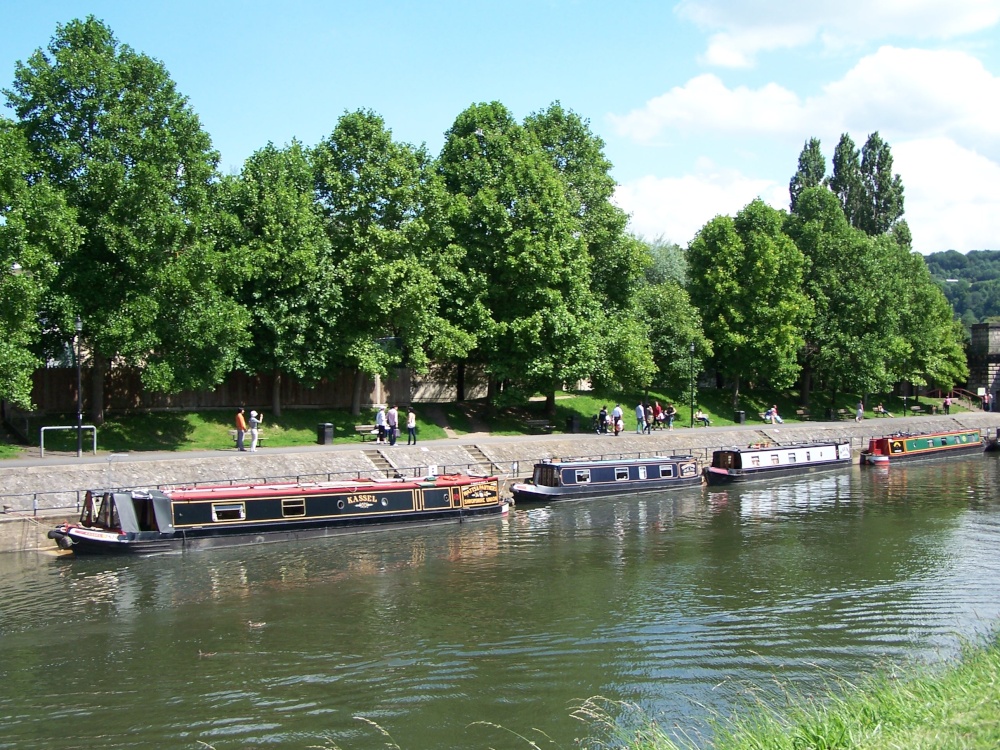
column 570, row 480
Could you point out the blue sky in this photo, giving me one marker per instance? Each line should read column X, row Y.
column 703, row 105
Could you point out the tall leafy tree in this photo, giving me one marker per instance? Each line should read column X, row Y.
column 674, row 325
column 854, row 336
column 883, row 191
column 811, row 171
column 281, row 267
column 667, row 262
column 110, row 131
column 746, row 280
column 526, row 264
column 385, row 211
column 846, row 181
column 37, row 233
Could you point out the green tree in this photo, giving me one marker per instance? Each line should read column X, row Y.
column 854, row 336
column 667, row 262
column 883, row 191
column 37, row 233
column 811, row 171
column 746, row 280
column 385, row 210
column 935, row 355
column 674, row 324
column 526, row 267
column 109, row 130
column 846, row 181
column 281, row 267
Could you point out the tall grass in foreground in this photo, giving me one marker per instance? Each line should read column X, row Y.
column 953, row 708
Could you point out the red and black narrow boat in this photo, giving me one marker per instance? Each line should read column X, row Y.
column 153, row 521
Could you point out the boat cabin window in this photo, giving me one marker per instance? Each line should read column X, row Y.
column 791, row 458
column 667, row 471
column 546, row 476
column 621, row 473
column 808, row 456
column 755, row 460
column 775, row 459
column 229, row 511
column 293, row 507
column 583, row 476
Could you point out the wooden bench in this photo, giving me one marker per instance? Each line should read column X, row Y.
column 246, row 438
column 918, row 409
column 881, row 412
column 843, row 414
column 366, row 431
column 802, row 414
column 542, row 425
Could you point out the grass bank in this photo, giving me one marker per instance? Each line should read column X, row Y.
column 210, row 429
column 956, row 707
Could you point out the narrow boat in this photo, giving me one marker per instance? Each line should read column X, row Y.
column 166, row 520
column 904, row 446
column 764, row 460
column 570, row 480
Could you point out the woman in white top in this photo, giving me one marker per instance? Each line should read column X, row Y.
column 411, row 427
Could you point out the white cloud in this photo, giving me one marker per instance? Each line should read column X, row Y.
column 902, row 93
column 677, row 207
column 952, row 195
column 704, row 102
column 742, row 29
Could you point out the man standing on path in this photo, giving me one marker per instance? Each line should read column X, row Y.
column 241, row 429
column 640, row 419
column 392, row 423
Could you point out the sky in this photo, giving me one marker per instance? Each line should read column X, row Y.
column 703, row 105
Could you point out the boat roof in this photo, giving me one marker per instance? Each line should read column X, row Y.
column 266, row 489
column 610, row 461
column 780, row 447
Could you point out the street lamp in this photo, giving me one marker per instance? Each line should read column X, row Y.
column 79, row 391
column 691, row 382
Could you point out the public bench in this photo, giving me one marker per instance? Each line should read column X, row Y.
column 246, row 438
column 366, row 431
column 802, row 414
column 881, row 412
column 541, row 425
column 843, row 414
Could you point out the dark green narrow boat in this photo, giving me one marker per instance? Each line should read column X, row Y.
column 903, row 446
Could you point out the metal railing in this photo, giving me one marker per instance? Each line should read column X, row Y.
column 41, row 435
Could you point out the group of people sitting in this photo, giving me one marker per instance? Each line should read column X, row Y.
column 772, row 416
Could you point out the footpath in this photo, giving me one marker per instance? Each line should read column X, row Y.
column 36, row 493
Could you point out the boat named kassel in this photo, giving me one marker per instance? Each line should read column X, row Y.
column 165, row 520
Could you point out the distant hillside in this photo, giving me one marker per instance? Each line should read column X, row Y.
column 970, row 281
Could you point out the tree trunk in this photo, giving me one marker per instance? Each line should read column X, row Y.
column 736, row 392
column 550, row 403
column 276, row 393
column 805, row 392
column 98, row 374
column 460, row 382
column 359, row 384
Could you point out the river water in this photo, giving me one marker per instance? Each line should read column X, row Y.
column 487, row 634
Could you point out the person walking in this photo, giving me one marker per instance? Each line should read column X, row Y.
column 859, row 414
column 255, row 421
column 947, row 404
column 640, row 419
column 411, row 427
column 241, row 429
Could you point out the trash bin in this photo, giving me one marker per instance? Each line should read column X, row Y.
column 740, row 417
column 573, row 423
column 324, row 433
column 829, row 415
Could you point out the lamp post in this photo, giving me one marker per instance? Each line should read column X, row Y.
column 692, row 383
column 79, row 391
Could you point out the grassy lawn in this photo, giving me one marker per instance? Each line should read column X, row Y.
column 209, row 429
